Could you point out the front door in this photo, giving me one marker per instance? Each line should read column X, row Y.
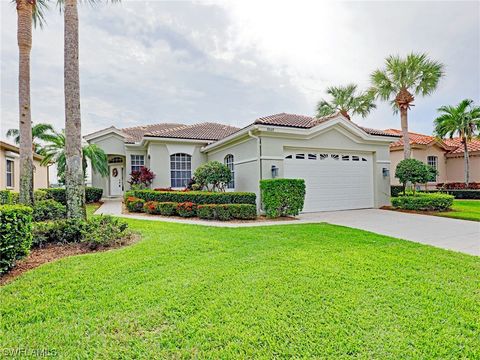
column 116, row 180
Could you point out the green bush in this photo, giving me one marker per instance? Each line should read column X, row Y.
column 396, row 190
column 104, row 231
column 40, row 195
column 213, row 175
column 227, row 211
column 167, row 208
column 197, row 197
column 134, row 204
column 415, row 172
column 186, row 209
column 58, row 231
column 5, row 197
column 423, row 201
column 93, row 194
column 48, row 210
column 151, row 207
column 15, row 234
column 282, row 197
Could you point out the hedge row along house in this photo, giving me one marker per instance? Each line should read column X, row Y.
column 446, row 156
column 345, row 166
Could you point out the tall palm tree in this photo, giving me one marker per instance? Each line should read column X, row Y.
column 400, row 80
column 347, row 101
column 55, row 151
column 40, row 131
column 28, row 12
column 462, row 120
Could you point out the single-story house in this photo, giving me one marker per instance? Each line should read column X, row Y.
column 10, row 169
column 446, row 155
column 345, row 166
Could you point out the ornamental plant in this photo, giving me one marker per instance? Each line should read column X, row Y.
column 282, row 197
column 213, row 176
column 186, row 209
column 413, row 171
column 134, row 204
column 151, row 207
column 141, row 179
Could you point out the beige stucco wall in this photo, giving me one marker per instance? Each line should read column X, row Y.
column 40, row 175
column 455, row 169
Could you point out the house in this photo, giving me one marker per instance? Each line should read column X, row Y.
column 447, row 156
column 10, row 169
column 344, row 165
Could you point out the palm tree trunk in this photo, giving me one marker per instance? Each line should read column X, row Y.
column 24, row 39
column 466, row 161
column 75, row 189
column 406, row 137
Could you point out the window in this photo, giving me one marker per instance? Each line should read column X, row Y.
column 323, row 156
column 289, row 157
column 10, row 173
column 355, row 158
column 334, row 156
column 300, row 156
column 363, row 159
column 229, row 162
column 312, row 156
column 345, row 157
column 180, row 170
column 116, row 160
column 432, row 161
column 138, row 161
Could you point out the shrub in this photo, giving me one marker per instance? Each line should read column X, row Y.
column 151, row 207
column 414, row 171
column 40, row 195
column 141, row 179
column 167, row 208
column 423, row 201
column 213, row 175
column 186, row 209
column 134, row 204
column 104, row 231
column 227, row 211
column 48, row 210
column 15, row 234
column 206, row 212
column 5, row 197
column 243, row 211
column 197, row 197
column 93, row 194
column 396, row 190
column 282, row 197
column 164, row 189
column 459, row 186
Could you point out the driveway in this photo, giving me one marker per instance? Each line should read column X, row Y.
column 451, row 234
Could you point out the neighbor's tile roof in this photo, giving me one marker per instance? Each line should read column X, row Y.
column 307, row 122
column 135, row 134
column 473, row 145
column 414, row 138
column 202, row 131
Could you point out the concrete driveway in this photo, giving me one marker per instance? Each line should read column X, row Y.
column 451, row 234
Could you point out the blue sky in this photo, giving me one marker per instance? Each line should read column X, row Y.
column 155, row 61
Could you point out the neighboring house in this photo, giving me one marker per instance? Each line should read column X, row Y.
column 10, row 169
column 447, row 156
column 344, row 165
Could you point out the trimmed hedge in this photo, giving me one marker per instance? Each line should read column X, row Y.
column 227, row 211
column 197, row 197
column 396, row 190
column 48, row 210
column 459, row 186
column 134, row 204
column 15, row 234
column 423, row 201
column 151, row 207
column 282, row 197
column 186, row 209
column 92, row 194
column 167, row 208
column 6, row 197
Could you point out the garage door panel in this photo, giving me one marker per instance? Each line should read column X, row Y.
column 334, row 184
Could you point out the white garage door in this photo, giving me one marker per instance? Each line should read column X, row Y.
column 334, row 180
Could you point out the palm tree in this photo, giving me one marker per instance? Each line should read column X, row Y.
column 28, row 12
column 347, row 101
column 41, row 131
column 400, row 80
column 55, row 151
column 462, row 120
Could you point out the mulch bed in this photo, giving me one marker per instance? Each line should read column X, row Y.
column 420, row 212
column 52, row 252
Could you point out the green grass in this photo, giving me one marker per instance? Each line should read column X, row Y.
column 464, row 209
column 91, row 208
column 283, row 291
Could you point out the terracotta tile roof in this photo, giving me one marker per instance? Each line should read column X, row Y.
column 473, row 145
column 135, row 134
column 307, row 122
column 202, row 131
column 414, row 138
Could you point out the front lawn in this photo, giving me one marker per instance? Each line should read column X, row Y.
column 283, row 291
column 464, row 209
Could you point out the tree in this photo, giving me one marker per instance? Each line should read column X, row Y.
column 347, row 101
column 413, row 171
column 402, row 78
column 213, row 173
column 43, row 132
column 141, row 179
column 55, row 152
column 462, row 120
column 28, row 12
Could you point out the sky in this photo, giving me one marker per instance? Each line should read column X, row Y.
column 145, row 62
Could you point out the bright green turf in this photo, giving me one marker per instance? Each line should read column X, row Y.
column 282, row 291
column 464, row 209
column 91, row 209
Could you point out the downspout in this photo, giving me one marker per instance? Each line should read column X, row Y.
column 259, row 155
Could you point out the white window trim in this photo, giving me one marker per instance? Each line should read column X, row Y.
column 11, row 172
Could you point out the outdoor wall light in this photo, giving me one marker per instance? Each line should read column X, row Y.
column 274, row 171
column 385, row 172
